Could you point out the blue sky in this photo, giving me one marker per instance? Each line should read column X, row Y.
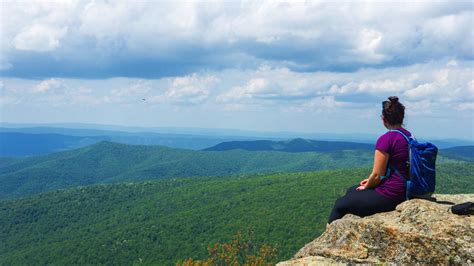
column 308, row 66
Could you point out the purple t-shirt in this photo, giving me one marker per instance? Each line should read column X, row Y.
column 396, row 146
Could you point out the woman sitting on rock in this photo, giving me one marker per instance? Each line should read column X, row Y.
column 377, row 194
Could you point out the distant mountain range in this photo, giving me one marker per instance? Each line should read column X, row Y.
column 293, row 145
column 29, row 141
column 209, row 132
column 465, row 153
column 106, row 162
column 15, row 144
column 18, row 142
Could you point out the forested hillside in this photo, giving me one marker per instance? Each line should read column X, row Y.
column 107, row 162
column 162, row 221
column 292, row 145
column 465, row 153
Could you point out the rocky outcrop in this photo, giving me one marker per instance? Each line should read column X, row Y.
column 418, row 231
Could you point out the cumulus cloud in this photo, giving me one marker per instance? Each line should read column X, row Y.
column 37, row 26
column 255, row 88
column 319, row 104
column 435, row 85
column 367, row 48
column 269, row 84
column 50, row 84
column 48, row 93
column 434, row 91
column 464, row 106
column 156, row 39
column 39, row 38
column 187, row 90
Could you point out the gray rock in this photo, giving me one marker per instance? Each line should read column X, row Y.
column 417, row 232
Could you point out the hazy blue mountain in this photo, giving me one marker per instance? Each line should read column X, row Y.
column 449, row 143
column 209, row 133
column 44, row 140
column 16, row 144
column 293, row 145
column 214, row 132
column 4, row 161
column 465, row 153
column 112, row 162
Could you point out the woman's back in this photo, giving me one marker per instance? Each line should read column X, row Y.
column 396, row 146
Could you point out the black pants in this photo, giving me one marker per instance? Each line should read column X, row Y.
column 362, row 203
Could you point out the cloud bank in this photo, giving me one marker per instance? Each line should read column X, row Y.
column 100, row 39
column 259, row 65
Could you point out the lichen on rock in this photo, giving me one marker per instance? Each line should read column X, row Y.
column 417, row 232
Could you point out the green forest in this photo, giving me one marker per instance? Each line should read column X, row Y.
column 163, row 221
column 109, row 162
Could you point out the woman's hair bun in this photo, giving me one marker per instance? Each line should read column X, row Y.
column 393, row 99
column 393, row 111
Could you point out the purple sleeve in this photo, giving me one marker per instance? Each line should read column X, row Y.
column 383, row 144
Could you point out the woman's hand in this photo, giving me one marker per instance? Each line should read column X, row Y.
column 363, row 182
column 360, row 188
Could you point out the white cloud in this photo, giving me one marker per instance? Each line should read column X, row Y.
column 367, row 47
column 299, row 35
column 428, row 85
column 445, row 84
column 48, row 93
column 323, row 103
column 273, row 97
column 420, row 107
column 39, row 38
column 255, row 88
column 49, row 85
column 372, row 86
column 452, row 63
column 190, row 89
column 464, row 106
column 422, row 91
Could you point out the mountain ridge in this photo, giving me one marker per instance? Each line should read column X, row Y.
column 291, row 145
column 107, row 161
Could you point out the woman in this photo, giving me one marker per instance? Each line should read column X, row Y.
column 374, row 194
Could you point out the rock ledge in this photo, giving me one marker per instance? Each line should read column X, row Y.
column 417, row 232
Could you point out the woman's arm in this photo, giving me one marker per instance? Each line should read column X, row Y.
column 380, row 167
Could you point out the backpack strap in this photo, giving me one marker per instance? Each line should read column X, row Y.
column 403, row 134
column 408, row 141
column 391, row 167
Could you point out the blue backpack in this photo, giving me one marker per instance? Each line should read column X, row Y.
column 421, row 181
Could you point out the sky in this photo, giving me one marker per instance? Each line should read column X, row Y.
column 300, row 66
